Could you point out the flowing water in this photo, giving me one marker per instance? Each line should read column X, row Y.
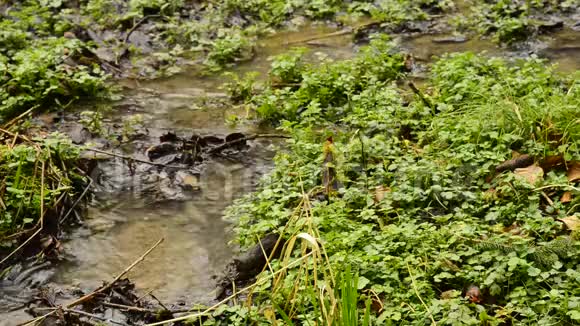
column 126, row 218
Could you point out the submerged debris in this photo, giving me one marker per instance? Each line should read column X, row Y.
column 243, row 270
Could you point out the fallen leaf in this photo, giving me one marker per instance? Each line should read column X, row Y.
column 473, row 294
column 566, row 197
column 190, row 180
column 574, row 171
column 380, row 192
column 513, row 229
column 532, row 173
column 550, row 162
column 572, row 222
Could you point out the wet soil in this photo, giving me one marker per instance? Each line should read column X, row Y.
column 133, row 207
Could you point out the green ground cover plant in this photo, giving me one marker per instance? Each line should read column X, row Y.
column 434, row 232
column 39, row 182
column 508, row 22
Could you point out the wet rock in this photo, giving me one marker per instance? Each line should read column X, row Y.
column 142, row 41
column 210, row 141
column 156, row 151
column 167, row 159
column 298, row 21
column 186, row 180
column 413, row 27
column 105, row 54
column 20, row 284
column 237, row 20
column 167, row 190
column 244, row 268
column 238, row 141
column 79, row 134
column 235, row 136
column 550, row 26
column 168, row 137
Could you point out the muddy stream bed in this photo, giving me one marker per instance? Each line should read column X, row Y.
column 131, row 211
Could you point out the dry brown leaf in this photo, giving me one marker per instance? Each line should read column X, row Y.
column 190, row 181
column 566, row 197
column 380, row 192
column 550, row 162
column 572, row 222
column 574, row 171
column 532, row 173
column 513, row 229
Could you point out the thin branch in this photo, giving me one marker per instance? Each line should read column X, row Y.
column 418, row 296
column 133, row 159
column 99, row 290
column 17, row 135
column 144, row 310
column 421, row 96
column 244, row 139
column 86, row 314
column 11, row 122
column 128, row 308
column 21, row 246
column 341, row 32
column 141, row 21
column 158, row 301
column 196, row 315
column 118, row 277
column 77, row 201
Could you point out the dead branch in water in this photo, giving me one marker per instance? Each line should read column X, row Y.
column 97, row 291
column 71, row 209
column 244, row 139
column 144, row 310
column 235, row 294
column 345, row 31
column 130, row 158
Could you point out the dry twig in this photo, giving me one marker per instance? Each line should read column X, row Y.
column 242, row 140
column 99, row 290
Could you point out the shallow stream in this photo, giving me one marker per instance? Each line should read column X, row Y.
column 124, row 219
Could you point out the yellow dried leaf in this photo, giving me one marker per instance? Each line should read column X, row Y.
column 574, row 171
column 380, row 192
column 532, row 173
column 572, row 222
column 566, row 197
column 190, row 180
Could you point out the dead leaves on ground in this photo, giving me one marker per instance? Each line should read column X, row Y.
column 566, row 197
column 532, row 174
column 573, row 172
column 571, row 222
column 380, row 192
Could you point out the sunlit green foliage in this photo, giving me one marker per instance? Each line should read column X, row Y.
column 35, row 179
column 40, row 68
column 326, row 90
column 420, row 214
column 510, row 21
column 39, row 74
